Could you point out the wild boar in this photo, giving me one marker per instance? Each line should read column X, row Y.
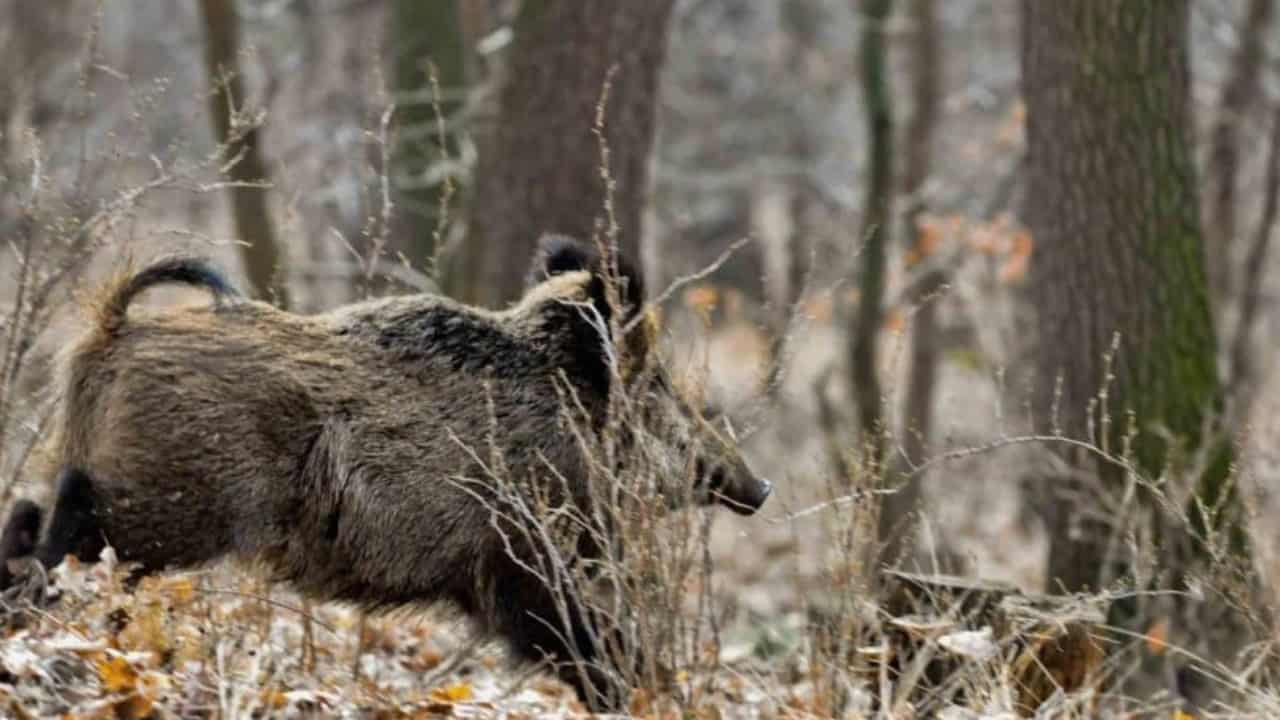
column 345, row 452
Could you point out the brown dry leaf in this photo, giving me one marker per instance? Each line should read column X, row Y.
column 549, row 687
column 819, row 308
column 984, row 240
column 12, row 706
column 928, row 236
column 274, row 698
column 1023, row 243
column 702, row 298
column 708, row 712
column 895, row 320
column 188, row 644
column 1158, row 637
column 134, row 707
column 455, row 693
column 954, row 224
column 640, row 704
column 426, row 660
column 1015, row 267
column 180, row 590
column 658, row 315
column 117, row 675
column 146, row 630
column 1012, row 123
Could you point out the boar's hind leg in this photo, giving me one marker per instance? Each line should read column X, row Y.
column 73, row 525
column 18, row 540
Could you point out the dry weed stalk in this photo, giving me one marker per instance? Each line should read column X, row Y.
column 615, row 553
column 59, row 224
column 1213, row 622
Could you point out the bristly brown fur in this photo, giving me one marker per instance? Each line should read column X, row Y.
column 341, row 451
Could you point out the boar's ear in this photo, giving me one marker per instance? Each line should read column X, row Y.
column 558, row 254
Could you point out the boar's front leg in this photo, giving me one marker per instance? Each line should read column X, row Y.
column 18, row 540
column 73, row 525
column 541, row 626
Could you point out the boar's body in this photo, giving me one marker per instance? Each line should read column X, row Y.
column 341, row 450
column 352, row 454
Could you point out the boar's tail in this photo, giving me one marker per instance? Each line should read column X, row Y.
column 182, row 270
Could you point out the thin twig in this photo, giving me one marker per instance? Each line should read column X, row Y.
column 268, row 601
column 446, row 195
column 684, row 280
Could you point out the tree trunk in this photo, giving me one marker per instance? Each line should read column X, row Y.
column 1111, row 202
column 261, row 253
column 41, row 36
column 802, row 23
column 917, row 404
column 1238, row 93
column 424, row 32
column 1111, row 193
column 877, row 214
column 541, row 172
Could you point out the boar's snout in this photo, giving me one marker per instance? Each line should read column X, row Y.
column 740, row 490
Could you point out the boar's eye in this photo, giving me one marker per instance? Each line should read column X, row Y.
column 720, row 421
column 710, row 477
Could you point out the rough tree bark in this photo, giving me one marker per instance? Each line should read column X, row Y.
column 1112, row 205
column 1222, row 172
column 875, row 233
column 922, row 362
column 423, row 32
column 541, row 171
column 1111, row 201
column 261, row 253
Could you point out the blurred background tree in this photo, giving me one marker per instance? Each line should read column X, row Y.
column 896, row 514
column 1239, row 92
column 423, row 35
column 236, row 128
column 875, row 231
column 543, row 170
